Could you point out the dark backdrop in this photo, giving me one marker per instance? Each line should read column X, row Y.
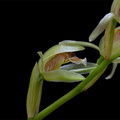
column 29, row 27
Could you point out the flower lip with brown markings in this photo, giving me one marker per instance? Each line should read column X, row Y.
column 61, row 58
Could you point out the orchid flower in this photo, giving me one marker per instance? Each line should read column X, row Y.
column 51, row 61
column 110, row 42
column 49, row 68
column 115, row 48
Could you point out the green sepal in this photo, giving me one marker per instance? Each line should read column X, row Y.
column 115, row 8
column 80, row 43
column 108, row 39
column 61, row 49
column 101, row 26
column 60, row 75
column 34, row 92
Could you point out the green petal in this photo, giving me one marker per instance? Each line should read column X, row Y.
column 79, row 68
column 113, row 71
column 62, row 76
column 101, row 26
column 34, row 92
column 81, row 43
column 60, row 49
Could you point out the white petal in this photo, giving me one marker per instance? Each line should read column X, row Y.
column 112, row 72
column 81, row 43
column 101, row 26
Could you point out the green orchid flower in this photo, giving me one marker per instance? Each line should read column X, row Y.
column 50, row 68
column 104, row 22
column 51, row 61
column 110, row 42
column 115, row 48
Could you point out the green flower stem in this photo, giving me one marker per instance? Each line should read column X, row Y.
column 100, row 60
column 78, row 89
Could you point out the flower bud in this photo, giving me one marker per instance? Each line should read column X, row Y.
column 34, row 92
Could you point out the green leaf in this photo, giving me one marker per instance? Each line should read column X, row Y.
column 62, row 76
column 34, row 92
column 81, row 43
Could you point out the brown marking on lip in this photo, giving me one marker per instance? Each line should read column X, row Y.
column 59, row 59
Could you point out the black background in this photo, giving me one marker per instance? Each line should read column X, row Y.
column 29, row 27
